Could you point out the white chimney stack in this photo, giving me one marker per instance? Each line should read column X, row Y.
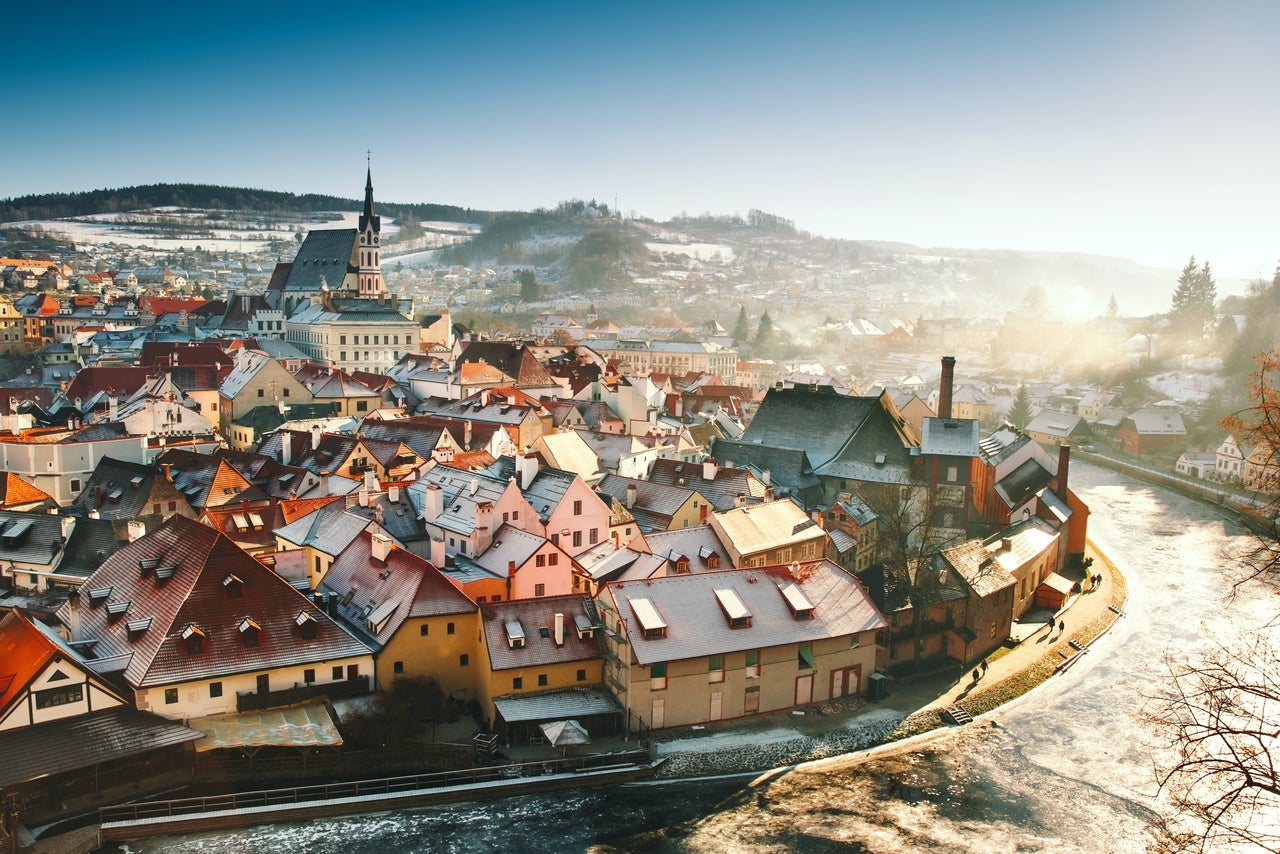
column 364, row 497
column 68, row 523
column 559, row 629
column 286, row 448
column 136, row 530
column 315, row 436
column 527, row 466
column 393, row 494
column 437, row 552
column 433, row 503
column 631, row 495
column 709, row 469
column 380, row 547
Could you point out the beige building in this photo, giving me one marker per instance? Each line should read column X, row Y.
column 257, row 380
column 354, row 334
column 669, row 357
column 776, row 532
column 688, row 649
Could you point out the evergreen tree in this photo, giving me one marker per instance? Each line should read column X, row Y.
column 1193, row 299
column 741, row 332
column 528, row 284
column 1020, row 413
column 764, row 332
column 1113, row 307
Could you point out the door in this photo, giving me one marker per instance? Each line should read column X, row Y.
column 717, row 705
column 658, row 715
column 751, row 700
column 804, row 689
column 838, row 682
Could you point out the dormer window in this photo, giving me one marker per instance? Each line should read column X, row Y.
column 116, row 610
column 98, row 595
column 249, row 632
column 801, row 607
column 135, row 628
column 233, row 585
column 735, row 611
column 146, row 565
column 515, row 634
column 164, row 573
column 307, row 624
column 193, row 637
column 652, row 626
column 586, row 629
column 682, row 566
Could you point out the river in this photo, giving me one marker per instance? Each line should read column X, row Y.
column 1067, row 768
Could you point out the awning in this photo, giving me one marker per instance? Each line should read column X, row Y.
column 556, row 705
column 307, row 725
column 564, row 733
column 72, row 744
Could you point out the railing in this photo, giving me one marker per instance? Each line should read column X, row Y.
column 366, row 788
column 248, row 701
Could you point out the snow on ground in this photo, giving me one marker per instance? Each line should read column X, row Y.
column 1185, row 386
column 701, row 251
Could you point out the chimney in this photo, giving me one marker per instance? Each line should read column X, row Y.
column 433, row 503
column 945, row 386
column 113, row 407
column 393, row 494
column 475, row 484
column 559, row 629
column 67, row 523
column 527, row 466
column 380, row 547
column 437, row 552
column 94, row 514
column 286, row 448
column 377, row 514
column 765, row 477
column 511, row 569
column 631, row 495
column 709, row 468
column 466, row 435
column 364, row 497
column 1064, row 468
column 315, row 436
column 136, row 530
column 73, row 615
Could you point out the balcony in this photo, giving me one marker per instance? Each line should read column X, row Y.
column 250, row 701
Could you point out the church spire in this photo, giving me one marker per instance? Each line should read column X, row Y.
column 370, row 272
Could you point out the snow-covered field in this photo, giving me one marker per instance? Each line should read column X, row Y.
column 700, row 251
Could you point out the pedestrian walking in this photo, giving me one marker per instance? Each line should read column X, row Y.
column 976, row 675
column 984, row 667
column 1062, row 626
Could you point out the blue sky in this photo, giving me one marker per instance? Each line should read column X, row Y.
column 1140, row 129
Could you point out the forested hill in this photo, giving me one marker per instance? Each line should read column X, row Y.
column 57, row 205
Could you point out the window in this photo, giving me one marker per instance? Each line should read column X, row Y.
column 517, row 683
column 397, row 667
column 594, row 536
column 75, row 484
column 952, row 474
column 262, row 392
column 577, row 539
column 553, row 559
column 542, row 680
column 62, row 696
column 424, row 630
column 464, row 660
column 337, row 672
column 215, row 690
column 577, row 508
column 753, row 663
column 309, row 675
column 715, row 668
column 362, row 405
column 582, row 675
column 170, row 696
column 539, row 590
column 342, row 339
column 658, row 676
column 804, row 656
column 540, row 560
column 286, row 392
column 448, row 629
column 264, row 683
column 173, row 505
column 155, row 508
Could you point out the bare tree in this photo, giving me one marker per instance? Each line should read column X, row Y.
column 1219, row 715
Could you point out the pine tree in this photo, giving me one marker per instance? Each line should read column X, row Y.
column 1193, row 299
column 741, row 331
column 1020, row 413
column 1113, row 307
column 764, row 332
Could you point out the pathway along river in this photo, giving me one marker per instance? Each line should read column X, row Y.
column 1066, row 770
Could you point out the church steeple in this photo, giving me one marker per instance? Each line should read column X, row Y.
column 370, row 276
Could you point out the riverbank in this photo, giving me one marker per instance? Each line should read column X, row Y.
column 850, row 731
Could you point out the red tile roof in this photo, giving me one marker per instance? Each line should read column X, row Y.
column 201, row 565
column 15, row 492
column 24, row 651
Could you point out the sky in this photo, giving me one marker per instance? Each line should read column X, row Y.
column 1145, row 130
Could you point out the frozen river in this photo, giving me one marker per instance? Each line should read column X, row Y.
column 1066, row 769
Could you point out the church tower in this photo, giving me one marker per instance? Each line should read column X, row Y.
column 370, row 276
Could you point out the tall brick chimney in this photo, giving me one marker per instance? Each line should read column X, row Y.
column 1064, row 468
column 945, row 386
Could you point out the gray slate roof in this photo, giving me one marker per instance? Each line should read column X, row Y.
column 559, row 704
column 951, row 437
column 327, row 253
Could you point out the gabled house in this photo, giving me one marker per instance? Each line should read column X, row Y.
column 1150, row 431
column 201, row 628
column 119, row 489
column 1059, row 428
column 257, row 380
column 1229, row 459
column 572, row 515
column 416, row 619
column 540, row 663
column 689, row 649
column 19, row 496
column 777, row 532
column 656, row 506
column 516, row 565
column 724, row 487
